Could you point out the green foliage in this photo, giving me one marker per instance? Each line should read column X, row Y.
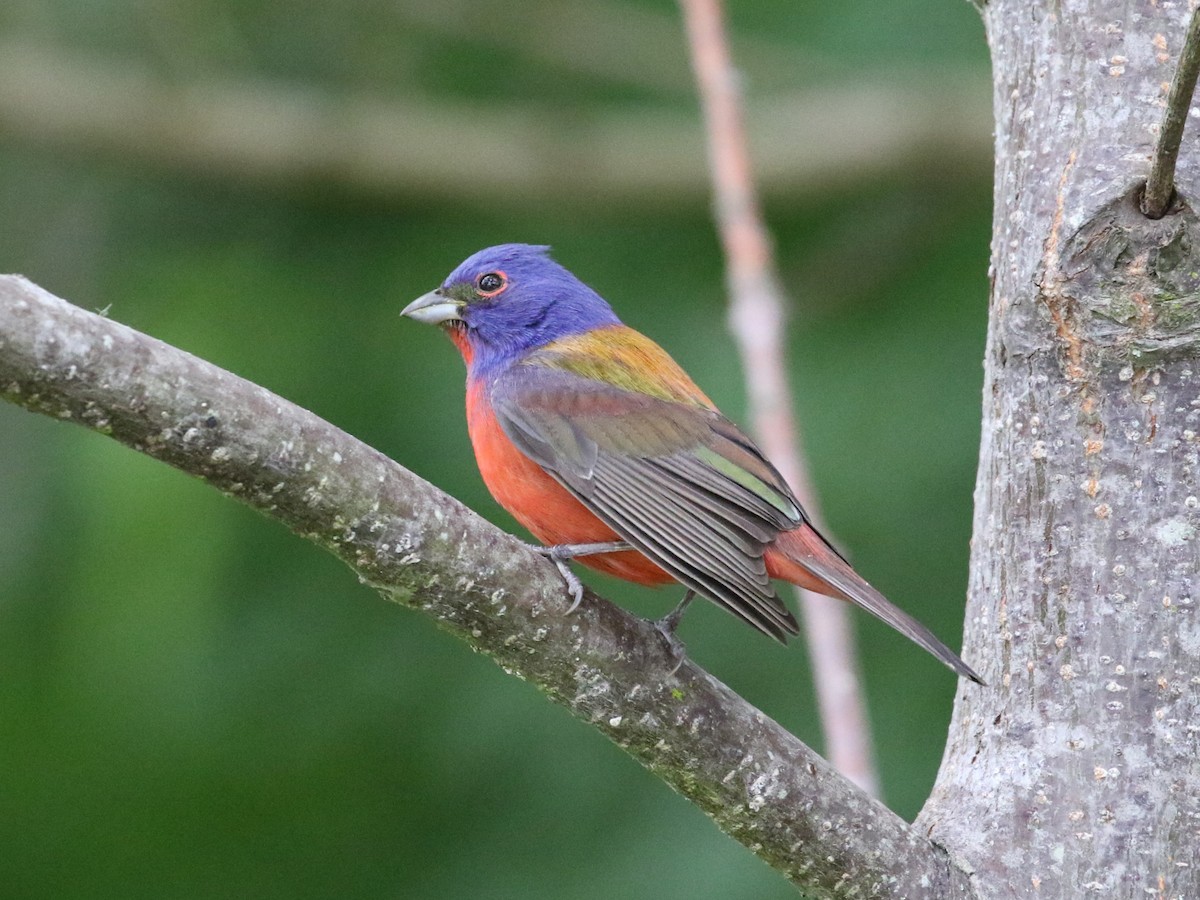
column 198, row 704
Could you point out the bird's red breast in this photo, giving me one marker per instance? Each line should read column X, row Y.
column 540, row 503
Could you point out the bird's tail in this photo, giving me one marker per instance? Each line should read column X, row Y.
column 803, row 557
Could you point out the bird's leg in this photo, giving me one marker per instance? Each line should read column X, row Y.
column 668, row 623
column 560, row 554
column 666, row 627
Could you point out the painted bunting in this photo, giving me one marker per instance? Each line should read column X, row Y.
column 602, row 446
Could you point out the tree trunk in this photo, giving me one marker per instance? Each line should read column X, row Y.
column 1077, row 772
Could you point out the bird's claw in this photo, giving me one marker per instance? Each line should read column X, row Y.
column 560, row 554
column 666, row 627
column 574, row 585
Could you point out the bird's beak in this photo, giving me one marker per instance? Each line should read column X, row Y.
column 433, row 309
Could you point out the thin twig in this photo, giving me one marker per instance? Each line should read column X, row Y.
column 756, row 317
column 425, row 550
column 1160, row 185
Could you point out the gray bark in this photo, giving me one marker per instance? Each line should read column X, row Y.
column 1077, row 772
column 423, row 549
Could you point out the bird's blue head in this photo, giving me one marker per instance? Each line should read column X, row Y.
column 503, row 302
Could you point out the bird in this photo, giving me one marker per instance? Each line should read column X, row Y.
column 598, row 443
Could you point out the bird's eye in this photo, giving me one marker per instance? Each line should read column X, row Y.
column 489, row 284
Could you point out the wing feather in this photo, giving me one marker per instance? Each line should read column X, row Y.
column 674, row 478
column 685, row 530
column 750, row 534
column 642, row 528
column 770, row 521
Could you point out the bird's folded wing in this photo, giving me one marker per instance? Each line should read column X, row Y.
column 672, row 477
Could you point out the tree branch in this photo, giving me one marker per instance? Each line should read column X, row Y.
column 263, row 133
column 1160, row 185
column 756, row 317
column 423, row 549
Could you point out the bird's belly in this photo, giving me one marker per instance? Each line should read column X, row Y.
column 543, row 505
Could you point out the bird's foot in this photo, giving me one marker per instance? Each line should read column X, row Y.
column 561, row 554
column 666, row 627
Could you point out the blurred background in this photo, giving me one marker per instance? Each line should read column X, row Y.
column 194, row 702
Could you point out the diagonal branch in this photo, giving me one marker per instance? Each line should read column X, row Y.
column 423, row 549
column 756, row 316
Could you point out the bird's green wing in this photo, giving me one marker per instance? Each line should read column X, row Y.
column 638, row 444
